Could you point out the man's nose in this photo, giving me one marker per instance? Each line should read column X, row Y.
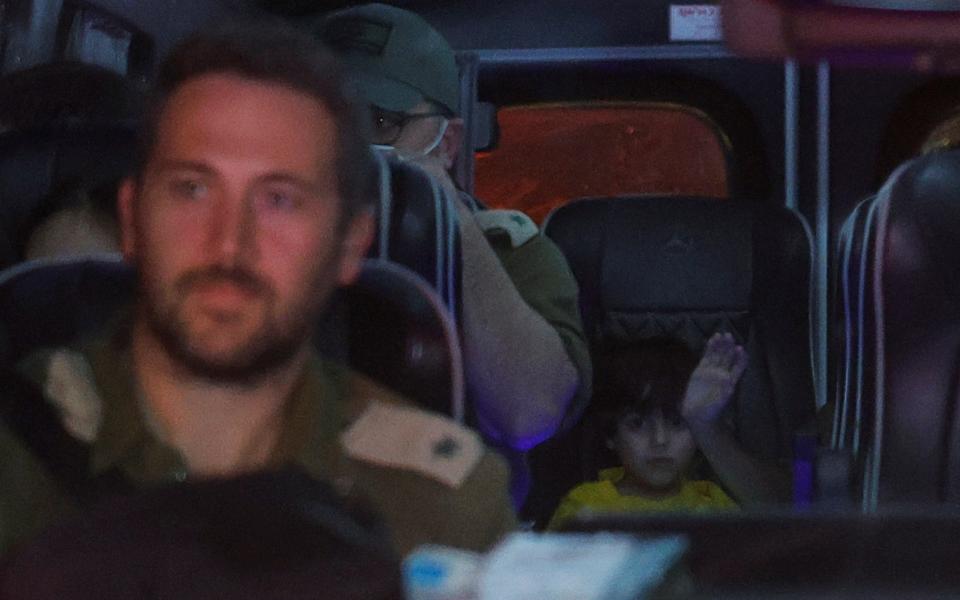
column 232, row 228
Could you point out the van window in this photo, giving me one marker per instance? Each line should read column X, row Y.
column 548, row 154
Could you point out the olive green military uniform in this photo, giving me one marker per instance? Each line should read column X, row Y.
column 430, row 479
column 540, row 272
column 541, row 275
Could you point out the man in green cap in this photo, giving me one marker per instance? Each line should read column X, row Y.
column 527, row 365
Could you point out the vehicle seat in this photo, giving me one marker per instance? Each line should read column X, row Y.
column 50, row 303
column 854, row 316
column 686, row 267
column 400, row 333
column 396, row 329
column 418, row 228
column 854, row 349
column 39, row 164
column 915, row 288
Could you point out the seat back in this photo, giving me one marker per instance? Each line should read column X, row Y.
column 418, row 228
column 37, row 165
column 687, row 267
column 50, row 303
column 393, row 327
column 916, row 295
column 854, row 251
column 854, row 349
column 401, row 334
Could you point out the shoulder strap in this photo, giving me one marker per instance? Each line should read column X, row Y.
column 25, row 411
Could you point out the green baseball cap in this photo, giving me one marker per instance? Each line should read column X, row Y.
column 396, row 58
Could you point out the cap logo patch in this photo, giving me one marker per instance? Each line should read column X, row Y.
column 680, row 243
column 363, row 35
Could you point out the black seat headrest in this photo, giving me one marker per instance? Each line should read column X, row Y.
column 917, row 301
column 673, row 258
column 401, row 334
column 418, row 228
column 38, row 164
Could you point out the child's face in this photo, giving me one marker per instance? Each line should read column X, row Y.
column 655, row 450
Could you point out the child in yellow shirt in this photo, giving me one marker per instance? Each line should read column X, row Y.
column 668, row 411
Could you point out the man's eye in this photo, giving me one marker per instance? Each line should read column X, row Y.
column 386, row 120
column 279, row 200
column 190, row 188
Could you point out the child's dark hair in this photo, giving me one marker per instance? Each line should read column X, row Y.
column 643, row 377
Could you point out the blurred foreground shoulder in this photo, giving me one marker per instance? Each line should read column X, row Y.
column 432, row 479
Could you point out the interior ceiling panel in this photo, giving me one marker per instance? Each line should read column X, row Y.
column 302, row 8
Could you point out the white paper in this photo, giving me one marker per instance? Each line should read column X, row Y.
column 695, row 23
column 601, row 566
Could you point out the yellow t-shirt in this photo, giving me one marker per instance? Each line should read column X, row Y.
column 603, row 496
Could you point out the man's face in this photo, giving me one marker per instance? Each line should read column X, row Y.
column 235, row 226
column 416, row 135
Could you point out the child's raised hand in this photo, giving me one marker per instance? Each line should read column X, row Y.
column 712, row 382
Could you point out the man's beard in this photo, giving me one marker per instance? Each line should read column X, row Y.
column 273, row 344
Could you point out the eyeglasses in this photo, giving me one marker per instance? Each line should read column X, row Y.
column 388, row 124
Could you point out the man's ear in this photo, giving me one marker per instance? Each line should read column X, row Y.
column 452, row 142
column 356, row 240
column 125, row 199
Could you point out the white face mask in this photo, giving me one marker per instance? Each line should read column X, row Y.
column 413, row 156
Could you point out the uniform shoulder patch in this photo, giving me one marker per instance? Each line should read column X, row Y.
column 514, row 223
column 408, row 438
column 70, row 386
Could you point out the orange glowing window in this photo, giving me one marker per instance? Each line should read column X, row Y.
column 550, row 154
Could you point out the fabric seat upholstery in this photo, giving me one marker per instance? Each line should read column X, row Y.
column 916, row 296
column 854, row 350
column 417, row 228
column 687, row 267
